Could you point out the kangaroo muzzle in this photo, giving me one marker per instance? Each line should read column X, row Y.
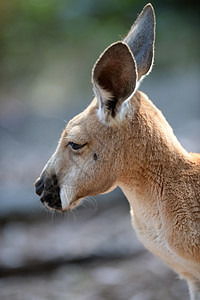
column 49, row 191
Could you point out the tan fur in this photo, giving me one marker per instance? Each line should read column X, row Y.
column 145, row 159
column 141, row 155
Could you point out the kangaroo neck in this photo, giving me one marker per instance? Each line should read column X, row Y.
column 153, row 151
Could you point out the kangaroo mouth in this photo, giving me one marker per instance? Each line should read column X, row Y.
column 51, row 201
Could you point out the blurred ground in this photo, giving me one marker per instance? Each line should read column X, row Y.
column 96, row 256
column 47, row 52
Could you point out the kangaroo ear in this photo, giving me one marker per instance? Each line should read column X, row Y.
column 114, row 79
column 141, row 39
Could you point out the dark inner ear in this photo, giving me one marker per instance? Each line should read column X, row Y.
column 115, row 76
column 141, row 40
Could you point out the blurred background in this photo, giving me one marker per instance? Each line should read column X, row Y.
column 47, row 50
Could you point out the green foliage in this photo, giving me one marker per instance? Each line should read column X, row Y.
column 31, row 30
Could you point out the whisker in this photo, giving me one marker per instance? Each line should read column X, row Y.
column 52, row 216
column 91, row 201
column 73, row 211
column 83, row 204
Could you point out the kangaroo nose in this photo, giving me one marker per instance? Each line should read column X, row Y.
column 39, row 186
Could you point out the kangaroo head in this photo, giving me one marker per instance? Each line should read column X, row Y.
column 91, row 156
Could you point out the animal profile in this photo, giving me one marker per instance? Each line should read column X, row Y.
column 122, row 139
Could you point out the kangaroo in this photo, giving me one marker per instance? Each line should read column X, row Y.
column 122, row 139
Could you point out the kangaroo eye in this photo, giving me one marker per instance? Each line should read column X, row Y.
column 75, row 146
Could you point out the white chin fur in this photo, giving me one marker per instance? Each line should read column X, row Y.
column 65, row 194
